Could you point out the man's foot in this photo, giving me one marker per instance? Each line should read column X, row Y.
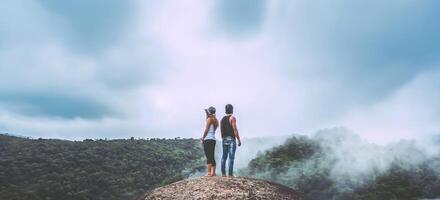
column 213, row 174
column 223, row 175
column 231, row 176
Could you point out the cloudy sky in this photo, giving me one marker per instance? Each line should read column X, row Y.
column 121, row 68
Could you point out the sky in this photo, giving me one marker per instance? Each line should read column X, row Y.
column 134, row 68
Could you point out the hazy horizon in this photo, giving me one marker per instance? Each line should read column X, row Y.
column 147, row 69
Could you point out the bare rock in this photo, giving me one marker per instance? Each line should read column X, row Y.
column 222, row 188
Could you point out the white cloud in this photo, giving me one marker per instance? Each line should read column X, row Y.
column 409, row 113
column 42, row 68
column 289, row 76
column 209, row 69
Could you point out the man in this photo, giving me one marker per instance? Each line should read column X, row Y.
column 228, row 127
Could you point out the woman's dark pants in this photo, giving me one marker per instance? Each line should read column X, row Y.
column 209, row 147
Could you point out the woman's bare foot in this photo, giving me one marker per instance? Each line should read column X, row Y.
column 209, row 170
column 213, row 170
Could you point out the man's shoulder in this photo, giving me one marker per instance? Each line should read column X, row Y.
column 232, row 118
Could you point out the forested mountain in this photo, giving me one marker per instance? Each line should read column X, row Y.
column 328, row 165
column 334, row 165
column 92, row 169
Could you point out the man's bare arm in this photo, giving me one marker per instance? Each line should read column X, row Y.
column 234, row 127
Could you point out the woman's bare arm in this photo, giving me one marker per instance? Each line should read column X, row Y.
column 207, row 114
column 208, row 123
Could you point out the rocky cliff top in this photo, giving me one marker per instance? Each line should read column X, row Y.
column 222, row 188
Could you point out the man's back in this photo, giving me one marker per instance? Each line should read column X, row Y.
column 226, row 127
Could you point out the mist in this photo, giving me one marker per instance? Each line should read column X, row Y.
column 343, row 162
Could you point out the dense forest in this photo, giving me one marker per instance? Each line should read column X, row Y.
column 92, row 169
column 311, row 165
column 327, row 165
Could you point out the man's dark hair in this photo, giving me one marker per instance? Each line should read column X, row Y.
column 229, row 109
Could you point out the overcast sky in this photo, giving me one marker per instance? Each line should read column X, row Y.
column 121, row 68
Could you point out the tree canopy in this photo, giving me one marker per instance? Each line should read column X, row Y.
column 93, row 169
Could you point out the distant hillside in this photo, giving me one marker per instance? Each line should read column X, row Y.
column 92, row 169
column 250, row 148
column 334, row 164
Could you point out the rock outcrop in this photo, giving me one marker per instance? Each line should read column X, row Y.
column 222, row 188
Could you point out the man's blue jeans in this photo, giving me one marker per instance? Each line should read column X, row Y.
column 228, row 150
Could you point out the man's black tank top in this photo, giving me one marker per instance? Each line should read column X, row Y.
column 226, row 127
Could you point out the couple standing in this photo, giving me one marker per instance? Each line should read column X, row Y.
column 228, row 129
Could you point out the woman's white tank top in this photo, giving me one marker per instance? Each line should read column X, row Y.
column 211, row 133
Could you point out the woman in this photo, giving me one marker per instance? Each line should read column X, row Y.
column 208, row 139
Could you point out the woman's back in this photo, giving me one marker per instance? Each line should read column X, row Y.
column 211, row 133
column 212, row 128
